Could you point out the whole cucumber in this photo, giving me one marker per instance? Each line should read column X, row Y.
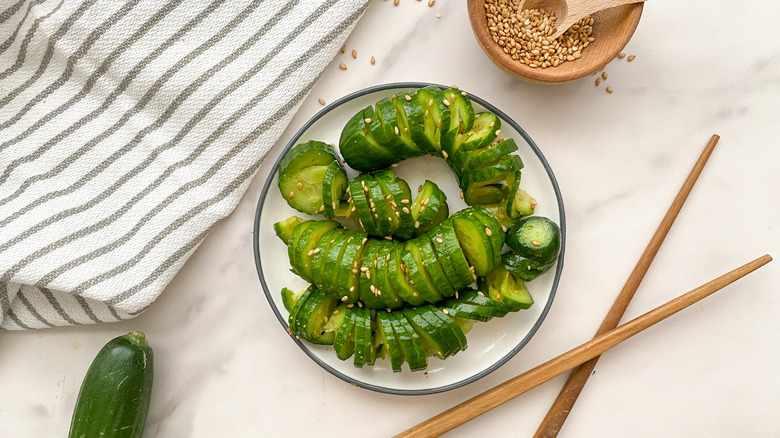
column 115, row 395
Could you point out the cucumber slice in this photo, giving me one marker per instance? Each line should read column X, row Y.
column 344, row 344
column 284, row 229
column 435, row 113
column 416, row 116
column 334, row 187
column 450, row 327
column 292, row 245
column 330, row 263
column 305, row 248
column 418, row 274
column 400, row 145
column 312, row 316
column 429, row 208
column 384, row 331
column 398, row 278
column 410, row 342
column 536, row 238
column 478, row 298
column 432, row 266
column 490, row 154
column 477, row 246
column 470, row 311
column 303, row 189
column 481, row 194
column 307, row 154
column 363, row 340
column 360, row 149
column 347, row 282
column 436, row 341
column 520, row 203
column 358, row 193
column 379, row 273
column 289, row 298
column 493, row 230
column 450, row 255
column 292, row 320
column 493, row 173
column 523, row 268
column 461, row 119
column 320, row 254
column 378, row 205
column 486, row 128
column 505, row 287
column 399, row 203
column 370, row 295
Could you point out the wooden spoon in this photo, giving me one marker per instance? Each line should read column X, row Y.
column 568, row 12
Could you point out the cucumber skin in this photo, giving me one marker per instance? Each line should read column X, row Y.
column 114, row 398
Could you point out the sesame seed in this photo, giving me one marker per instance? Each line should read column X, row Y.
column 444, row 154
column 536, row 243
column 373, row 60
column 343, row 66
column 408, row 98
column 446, row 102
column 292, row 195
column 445, row 311
column 631, row 58
column 324, row 319
column 488, row 231
column 345, row 298
column 321, row 101
column 343, row 49
column 440, row 240
column 461, row 194
column 405, row 210
column 621, row 55
column 404, row 201
column 315, row 250
column 354, row 53
column 335, row 312
column 360, row 304
column 300, row 186
column 350, row 305
column 417, row 224
column 431, row 2
column 351, row 289
column 367, row 120
column 610, row 90
column 598, row 81
column 604, row 75
column 415, row 294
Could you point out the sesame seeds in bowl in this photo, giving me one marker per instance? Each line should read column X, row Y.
column 519, row 43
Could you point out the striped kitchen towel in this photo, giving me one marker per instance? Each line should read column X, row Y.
column 128, row 129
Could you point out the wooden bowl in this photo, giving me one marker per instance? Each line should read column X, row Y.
column 612, row 29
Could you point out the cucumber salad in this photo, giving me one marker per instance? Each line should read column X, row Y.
column 393, row 273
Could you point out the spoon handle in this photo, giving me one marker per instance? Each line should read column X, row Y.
column 576, row 10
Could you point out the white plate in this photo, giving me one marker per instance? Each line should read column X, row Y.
column 490, row 344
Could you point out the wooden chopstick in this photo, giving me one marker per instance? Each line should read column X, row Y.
column 560, row 409
column 510, row 389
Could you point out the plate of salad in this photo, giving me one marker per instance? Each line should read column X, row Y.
column 410, row 238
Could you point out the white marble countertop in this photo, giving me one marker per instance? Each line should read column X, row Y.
column 710, row 371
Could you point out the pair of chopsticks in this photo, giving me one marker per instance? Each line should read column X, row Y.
column 585, row 356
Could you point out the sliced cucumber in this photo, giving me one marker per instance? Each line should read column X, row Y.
column 523, row 268
column 360, row 149
column 334, row 186
column 429, row 208
column 450, row 255
column 344, row 344
column 461, row 119
column 398, row 143
column 284, row 229
column 370, row 295
column 410, row 342
column 434, row 268
column 476, row 244
column 418, row 274
column 311, row 317
column 399, row 202
column 386, row 336
column 502, row 286
column 399, row 279
column 536, row 238
column 364, row 219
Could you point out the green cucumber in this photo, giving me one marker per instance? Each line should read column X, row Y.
column 399, row 280
column 344, row 344
column 334, row 186
column 284, row 229
column 289, row 298
column 450, row 255
column 312, row 316
column 400, row 145
column 422, row 133
column 502, row 286
column 357, row 144
column 114, row 397
column 523, row 268
column 433, row 267
column 429, row 208
column 536, row 238
column 399, row 203
column 461, row 119
column 370, row 295
column 387, row 338
column 477, row 246
column 418, row 274
column 409, row 340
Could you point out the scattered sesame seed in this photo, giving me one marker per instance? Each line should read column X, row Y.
column 354, row 53
column 343, row 49
column 536, row 243
column 417, row 224
column 321, row 101
column 431, row 2
column 488, row 231
column 440, row 240
column 292, row 195
column 395, row 2
column 404, row 201
column 461, row 194
column 445, row 102
column 373, row 60
column 408, row 98
column 444, row 154
column 598, row 81
column 360, row 304
column 345, row 298
column 343, row 66
column 405, row 210
column 300, row 186
column 445, row 311
column 367, row 120
column 604, row 75
column 610, row 90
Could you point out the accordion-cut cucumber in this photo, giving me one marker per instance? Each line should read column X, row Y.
column 301, row 175
column 429, row 208
column 116, row 391
column 334, row 186
column 358, row 145
column 502, row 286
